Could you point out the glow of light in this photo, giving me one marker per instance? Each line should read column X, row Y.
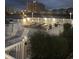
column 70, row 13
column 45, row 19
column 28, row 19
column 54, row 19
column 24, row 21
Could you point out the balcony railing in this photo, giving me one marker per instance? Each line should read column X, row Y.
column 19, row 50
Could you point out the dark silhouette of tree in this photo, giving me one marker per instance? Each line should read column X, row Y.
column 44, row 46
column 7, row 22
column 68, row 35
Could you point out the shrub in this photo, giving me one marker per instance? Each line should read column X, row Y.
column 68, row 35
column 45, row 46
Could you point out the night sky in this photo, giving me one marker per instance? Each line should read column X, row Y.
column 48, row 3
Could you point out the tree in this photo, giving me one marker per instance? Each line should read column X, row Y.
column 45, row 46
column 68, row 35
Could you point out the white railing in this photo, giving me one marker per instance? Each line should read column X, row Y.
column 20, row 50
column 8, row 57
column 12, row 46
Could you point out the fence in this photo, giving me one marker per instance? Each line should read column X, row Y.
column 19, row 50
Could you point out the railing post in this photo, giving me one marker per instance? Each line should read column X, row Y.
column 21, row 48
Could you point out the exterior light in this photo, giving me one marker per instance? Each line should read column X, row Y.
column 70, row 14
column 24, row 21
column 54, row 19
column 28, row 19
column 45, row 19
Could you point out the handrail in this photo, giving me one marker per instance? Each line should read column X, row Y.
column 8, row 57
column 10, row 47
